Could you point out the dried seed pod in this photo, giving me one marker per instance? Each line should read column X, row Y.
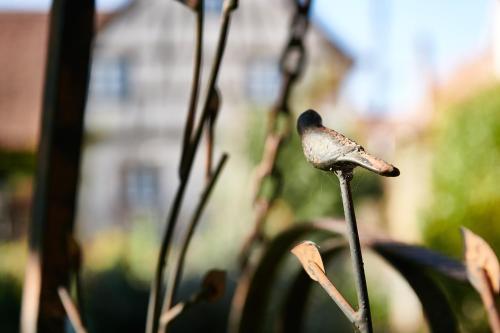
column 214, row 285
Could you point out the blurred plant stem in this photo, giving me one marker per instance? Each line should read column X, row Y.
column 154, row 308
column 71, row 310
column 178, row 265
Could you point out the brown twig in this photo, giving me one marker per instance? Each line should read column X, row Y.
column 71, row 310
column 195, row 85
column 333, row 292
column 212, row 289
column 210, row 131
column 291, row 66
column 174, row 311
column 154, row 307
column 178, row 265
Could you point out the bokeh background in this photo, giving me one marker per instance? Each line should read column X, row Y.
column 415, row 82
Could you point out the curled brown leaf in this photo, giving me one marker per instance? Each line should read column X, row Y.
column 480, row 257
column 307, row 252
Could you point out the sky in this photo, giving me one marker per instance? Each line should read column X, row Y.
column 390, row 41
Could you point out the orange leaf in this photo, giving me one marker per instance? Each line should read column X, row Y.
column 308, row 254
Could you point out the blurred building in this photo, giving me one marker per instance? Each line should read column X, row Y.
column 138, row 97
column 22, row 60
column 139, row 91
column 23, row 37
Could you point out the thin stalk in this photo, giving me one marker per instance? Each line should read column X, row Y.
column 79, row 297
column 210, row 151
column 221, row 45
column 179, row 264
column 214, row 106
column 195, row 85
column 172, row 313
column 154, row 306
column 365, row 323
column 154, row 297
column 333, row 292
column 71, row 310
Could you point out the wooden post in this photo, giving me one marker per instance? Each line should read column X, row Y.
column 50, row 257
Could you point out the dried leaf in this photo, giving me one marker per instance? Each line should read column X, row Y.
column 254, row 292
column 255, row 288
column 294, row 311
column 435, row 305
column 479, row 256
column 214, row 285
column 308, row 254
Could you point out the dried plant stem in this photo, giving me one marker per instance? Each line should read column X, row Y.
column 179, row 263
column 210, row 151
column 333, row 292
column 364, row 323
column 193, row 146
column 172, row 313
column 154, row 299
column 71, row 310
column 79, row 296
column 291, row 64
column 195, row 85
column 154, row 306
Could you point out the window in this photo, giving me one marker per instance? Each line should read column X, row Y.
column 262, row 81
column 141, row 186
column 110, row 78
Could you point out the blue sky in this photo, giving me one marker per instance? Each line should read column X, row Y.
column 388, row 39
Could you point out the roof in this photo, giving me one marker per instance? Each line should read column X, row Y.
column 22, row 64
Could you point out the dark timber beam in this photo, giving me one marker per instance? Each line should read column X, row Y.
column 51, row 253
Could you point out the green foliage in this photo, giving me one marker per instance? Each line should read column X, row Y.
column 116, row 302
column 12, row 266
column 466, row 174
column 10, row 303
column 16, row 162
